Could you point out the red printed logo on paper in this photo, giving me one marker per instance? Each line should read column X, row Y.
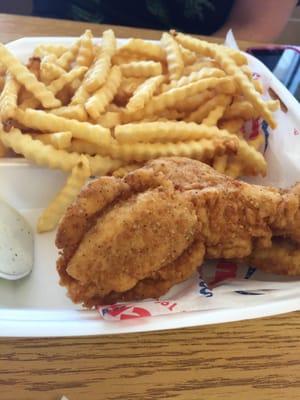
column 255, row 129
column 224, row 270
column 296, row 132
column 124, row 311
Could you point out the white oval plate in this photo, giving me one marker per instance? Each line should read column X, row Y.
column 37, row 306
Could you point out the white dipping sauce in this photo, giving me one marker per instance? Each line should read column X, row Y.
column 16, row 244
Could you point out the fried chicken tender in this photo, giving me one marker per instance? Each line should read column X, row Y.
column 135, row 237
column 283, row 257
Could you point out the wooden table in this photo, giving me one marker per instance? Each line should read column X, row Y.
column 257, row 359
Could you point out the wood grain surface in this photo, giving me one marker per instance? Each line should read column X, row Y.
column 257, row 359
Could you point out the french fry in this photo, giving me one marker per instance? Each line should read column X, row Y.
column 55, row 210
column 214, row 116
column 204, row 109
column 146, row 49
column 174, row 56
column 202, row 150
column 138, row 69
column 46, row 49
column 170, row 98
column 59, row 140
column 121, row 107
column 76, row 111
column 240, row 109
column 43, row 121
column 49, row 69
column 98, row 103
column 122, row 171
column 99, row 71
column 273, row 105
column 143, row 93
column 188, row 57
column 192, row 102
column 233, row 169
column 125, row 58
column 258, row 86
column 9, row 97
column 232, row 125
column 59, row 83
column 28, row 79
column 220, row 163
column 126, row 89
column 232, row 69
column 47, row 155
column 65, row 60
column 171, row 131
column 110, row 119
column 198, row 66
column 86, row 49
column 37, row 152
column 194, row 76
column 80, row 96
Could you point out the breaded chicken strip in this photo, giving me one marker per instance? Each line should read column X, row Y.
column 134, row 238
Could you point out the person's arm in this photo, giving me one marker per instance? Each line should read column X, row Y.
column 257, row 20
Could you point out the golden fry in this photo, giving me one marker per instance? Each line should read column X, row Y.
column 55, row 210
column 47, row 155
column 110, row 119
column 49, row 69
column 174, row 56
column 138, row 69
column 28, row 79
column 231, row 68
column 86, row 49
column 59, row 83
column 143, row 93
column 46, row 49
column 203, row 149
column 98, row 103
column 214, row 116
column 66, row 59
column 76, row 111
column 43, row 121
column 171, row 131
column 205, row 108
column 170, row 98
column 59, row 140
column 144, row 48
column 98, row 74
column 194, row 76
column 9, row 97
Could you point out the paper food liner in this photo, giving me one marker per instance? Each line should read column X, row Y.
column 222, row 284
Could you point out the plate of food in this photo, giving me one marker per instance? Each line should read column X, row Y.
column 149, row 173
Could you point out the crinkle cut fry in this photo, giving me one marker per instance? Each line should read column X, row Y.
column 229, row 66
column 99, row 101
column 98, row 73
column 201, row 150
column 43, row 121
column 55, row 210
column 144, row 93
column 174, row 56
column 178, row 131
column 47, row 155
column 170, row 98
column 28, row 79
column 9, row 97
